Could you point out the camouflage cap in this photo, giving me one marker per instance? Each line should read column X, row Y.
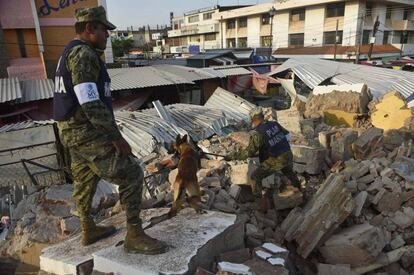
column 97, row 14
column 256, row 113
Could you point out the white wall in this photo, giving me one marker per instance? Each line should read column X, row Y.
column 314, row 24
column 253, row 31
column 352, row 22
column 281, row 30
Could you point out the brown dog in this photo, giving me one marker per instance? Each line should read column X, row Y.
column 186, row 181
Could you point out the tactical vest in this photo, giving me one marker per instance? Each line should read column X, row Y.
column 65, row 102
column 274, row 140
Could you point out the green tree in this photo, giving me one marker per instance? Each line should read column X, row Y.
column 121, row 46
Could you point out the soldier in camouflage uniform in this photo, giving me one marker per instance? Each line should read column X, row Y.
column 87, row 128
column 270, row 142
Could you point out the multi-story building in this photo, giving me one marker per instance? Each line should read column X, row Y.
column 34, row 33
column 309, row 27
column 199, row 28
column 142, row 35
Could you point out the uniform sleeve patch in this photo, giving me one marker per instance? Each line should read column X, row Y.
column 86, row 92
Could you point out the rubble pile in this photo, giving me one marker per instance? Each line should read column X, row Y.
column 48, row 215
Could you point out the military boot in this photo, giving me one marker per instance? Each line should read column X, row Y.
column 136, row 241
column 92, row 233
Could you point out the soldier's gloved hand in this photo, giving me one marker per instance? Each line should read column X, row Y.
column 122, row 147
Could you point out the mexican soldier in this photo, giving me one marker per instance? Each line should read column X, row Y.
column 269, row 140
column 87, row 128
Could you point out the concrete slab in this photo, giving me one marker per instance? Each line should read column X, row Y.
column 194, row 242
column 66, row 257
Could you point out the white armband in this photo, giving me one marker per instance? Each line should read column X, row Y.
column 86, row 92
column 288, row 136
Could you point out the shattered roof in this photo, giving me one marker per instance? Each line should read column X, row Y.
column 312, row 71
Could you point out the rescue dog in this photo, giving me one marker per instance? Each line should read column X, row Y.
column 186, row 186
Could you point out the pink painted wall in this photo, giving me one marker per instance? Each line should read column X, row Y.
column 16, row 14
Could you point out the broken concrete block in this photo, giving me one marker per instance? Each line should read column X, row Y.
column 265, row 268
column 241, row 173
column 397, row 242
column 341, row 145
column 325, row 138
column 236, row 256
column 194, row 240
column 389, row 202
column 272, row 182
column 366, row 179
column 360, row 200
column 234, row 191
column 251, row 229
column 391, row 112
column 277, row 251
column 327, row 269
column 378, row 196
column 261, row 254
column 405, row 218
column 241, row 138
column 312, row 158
column 330, row 206
column 69, row 225
column 289, row 198
column 234, row 268
column 404, row 167
column 367, row 143
column 387, row 172
column 357, row 245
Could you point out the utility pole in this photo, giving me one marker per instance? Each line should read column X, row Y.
column 336, row 38
column 374, row 32
column 359, row 40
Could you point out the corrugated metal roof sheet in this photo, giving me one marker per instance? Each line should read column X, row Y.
column 313, row 71
column 37, row 89
column 145, row 130
column 24, row 125
column 189, row 73
column 142, row 77
column 9, row 89
column 237, row 107
column 212, row 54
column 225, row 71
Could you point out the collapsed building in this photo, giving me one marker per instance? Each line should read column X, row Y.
column 355, row 214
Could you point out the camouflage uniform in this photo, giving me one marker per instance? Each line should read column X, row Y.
column 282, row 163
column 88, row 135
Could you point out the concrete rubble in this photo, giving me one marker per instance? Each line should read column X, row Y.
column 354, row 213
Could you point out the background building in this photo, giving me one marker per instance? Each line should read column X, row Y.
column 199, row 29
column 35, row 32
column 300, row 28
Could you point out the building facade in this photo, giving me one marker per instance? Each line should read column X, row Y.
column 291, row 25
column 198, row 28
column 34, row 33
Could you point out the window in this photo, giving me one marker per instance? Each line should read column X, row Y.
column 231, row 42
column 231, row 24
column 193, row 19
column 297, row 39
column 265, row 19
column 266, row 41
column 368, row 9
column 210, row 37
column 243, row 22
column 335, row 10
column 242, row 42
column 386, row 38
column 297, row 15
column 208, row 15
column 329, row 38
column 195, row 38
column 388, row 13
column 406, row 14
column 365, row 37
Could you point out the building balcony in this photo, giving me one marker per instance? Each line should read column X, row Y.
column 194, row 29
column 401, row 25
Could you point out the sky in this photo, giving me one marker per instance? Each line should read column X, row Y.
column 125, row 13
